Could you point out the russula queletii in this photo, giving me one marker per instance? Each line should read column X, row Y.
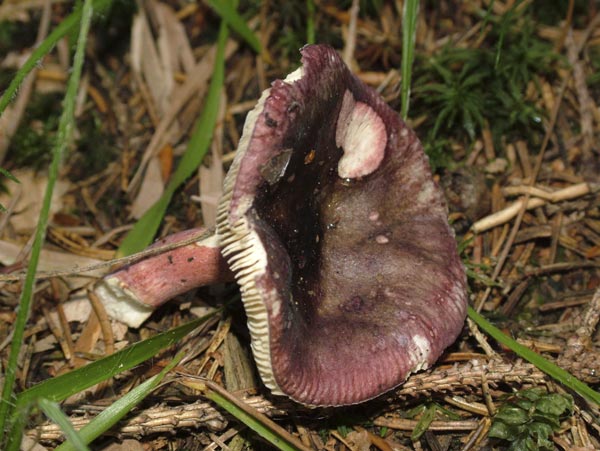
column 337, row 234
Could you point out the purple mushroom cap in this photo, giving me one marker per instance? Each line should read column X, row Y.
column 338, row 236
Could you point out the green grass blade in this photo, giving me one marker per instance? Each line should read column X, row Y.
column 144, row 230
column 11, row 177
column 486, row 18
column 8, row 175
column 59, row 388
column 310, row 22
column 112, row 414
column 424, row 422
column 52, row 411
column 65, row 27
column 409, row 31
column 227, row 12
column 65, row 132
column 562, row 376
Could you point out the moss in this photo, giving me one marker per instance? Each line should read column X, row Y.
column 95, row 147
column 460, row 89
column 552, row 13
column 32, row 143
column 15, row 36
column 112, row 29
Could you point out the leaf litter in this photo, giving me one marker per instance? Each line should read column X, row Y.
column 544, row 292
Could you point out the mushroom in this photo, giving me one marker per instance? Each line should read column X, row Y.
column 338, row 236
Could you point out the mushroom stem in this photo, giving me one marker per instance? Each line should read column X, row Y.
column 133, row 292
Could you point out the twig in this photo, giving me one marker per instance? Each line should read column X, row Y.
column 481, row 340
column 104, row 321
column 476, row 436
column 348, row 55
column 508, row 213
column 581, row 341
column 583, row 96
column 403, row 424
column 68, row 348
column 166, row 419
column 229, row 434
column 559, row 267
column 117, row 262
column 513, row 233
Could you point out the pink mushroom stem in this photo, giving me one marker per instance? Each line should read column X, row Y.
column 133, row 292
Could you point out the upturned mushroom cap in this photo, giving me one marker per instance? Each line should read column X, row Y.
column 338, row 237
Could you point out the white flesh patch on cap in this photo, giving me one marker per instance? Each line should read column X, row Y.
column 294, row 76
column 361, row 134
column 421, row 353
